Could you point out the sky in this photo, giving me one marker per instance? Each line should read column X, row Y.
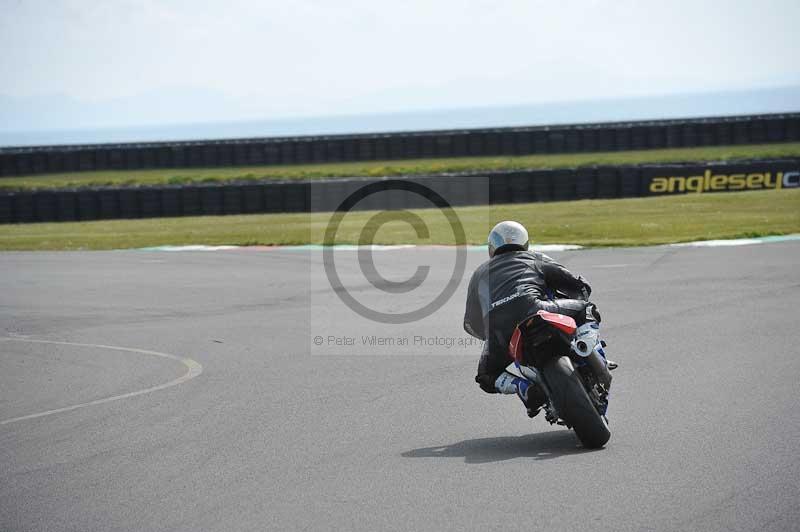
column 82, row 63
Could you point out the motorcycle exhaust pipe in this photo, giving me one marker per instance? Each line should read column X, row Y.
column 600, row 368
column 587, row 345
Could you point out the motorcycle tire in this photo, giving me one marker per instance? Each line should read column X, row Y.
column 573, row 403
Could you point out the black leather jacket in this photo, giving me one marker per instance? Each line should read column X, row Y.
column 514, row 274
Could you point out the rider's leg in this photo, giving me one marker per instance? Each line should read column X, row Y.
column 499, row 324
column 530, row 393
column 492, row 363
column 493, row 378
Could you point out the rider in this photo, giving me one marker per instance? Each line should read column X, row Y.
column 513, row 284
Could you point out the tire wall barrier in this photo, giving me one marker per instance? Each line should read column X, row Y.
column 583, row 138
column 461, row 189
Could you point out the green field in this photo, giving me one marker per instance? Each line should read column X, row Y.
column 394, row 168
column 620, row 222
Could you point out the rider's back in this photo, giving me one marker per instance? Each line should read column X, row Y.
column 512, row 275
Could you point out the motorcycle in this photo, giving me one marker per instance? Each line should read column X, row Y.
column 569, row 364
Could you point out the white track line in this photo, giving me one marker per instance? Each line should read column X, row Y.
column 193, row 370
column 719, row 243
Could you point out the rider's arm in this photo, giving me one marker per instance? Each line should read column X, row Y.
column 473, row 316
column 559, row 278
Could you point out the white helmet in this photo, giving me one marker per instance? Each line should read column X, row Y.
column 507, row 236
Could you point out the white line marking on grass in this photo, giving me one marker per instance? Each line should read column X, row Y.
column 193, row 369
column 349, row 247
column 718, row 243
column 739, row 241
column 196, row 247
column 552, row 247
column 346, row 247
column 482, row 247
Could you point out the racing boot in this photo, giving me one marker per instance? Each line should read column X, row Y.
column 531, row 395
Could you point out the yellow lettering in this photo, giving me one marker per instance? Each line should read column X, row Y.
column 718, row 182
column 736, row 182
column 755, row 181
column 709, row 181
column 694, row 183
column 659, row 184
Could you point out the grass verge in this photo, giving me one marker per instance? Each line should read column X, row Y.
column 620, row 222
column 394, row 168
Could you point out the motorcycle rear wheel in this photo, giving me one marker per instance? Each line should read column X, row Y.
column 573, row 403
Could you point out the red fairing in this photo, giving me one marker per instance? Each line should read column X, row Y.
column 515, row 346
column 559, row 321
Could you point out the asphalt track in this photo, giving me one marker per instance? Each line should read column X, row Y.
column 278, row 433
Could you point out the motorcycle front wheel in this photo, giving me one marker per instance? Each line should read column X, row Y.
column 573, row 404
